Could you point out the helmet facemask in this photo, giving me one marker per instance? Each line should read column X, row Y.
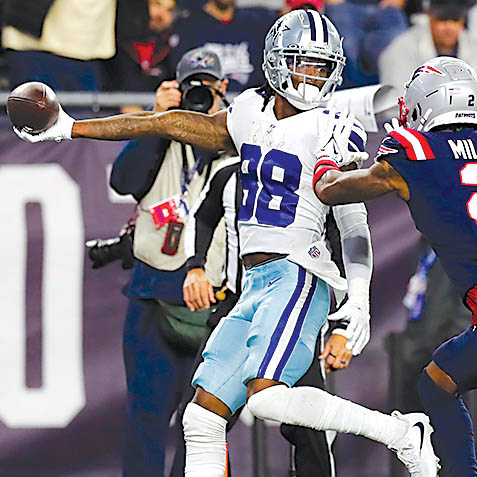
column 288, row 49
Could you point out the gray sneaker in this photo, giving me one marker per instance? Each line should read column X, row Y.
column 414, row 449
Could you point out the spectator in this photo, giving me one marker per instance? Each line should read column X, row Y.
column 58, row 42
column 305, row 4
column 367, row 26
column 161, row 335
column 236, row 35
column 442, row 35
column 144, row 42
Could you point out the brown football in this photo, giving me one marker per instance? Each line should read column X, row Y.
column 33, row 107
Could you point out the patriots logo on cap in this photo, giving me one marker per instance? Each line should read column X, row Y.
column 204, row 60
column 426, row 69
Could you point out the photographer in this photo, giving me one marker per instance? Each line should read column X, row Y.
column 161, row 334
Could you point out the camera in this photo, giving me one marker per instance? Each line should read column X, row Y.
column 196, row 96
column 101, row 252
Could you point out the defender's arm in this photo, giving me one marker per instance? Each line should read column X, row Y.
column 201, row 130
column 335, row 187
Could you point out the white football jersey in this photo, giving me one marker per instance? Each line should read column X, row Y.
column 280, row 212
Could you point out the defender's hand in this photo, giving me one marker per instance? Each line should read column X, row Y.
column 335, row 353
column 392, row 126
column 59, row 131
column 358, row 330
column 168, row 96
column 198, row 292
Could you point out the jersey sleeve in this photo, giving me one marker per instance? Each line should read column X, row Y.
column 406, row 144
column 405, row 150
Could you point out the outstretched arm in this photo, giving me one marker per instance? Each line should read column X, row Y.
column 336, row 187
column 201, row 130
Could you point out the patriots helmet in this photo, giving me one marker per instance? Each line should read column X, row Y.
column 441, row 91
column 298, row 36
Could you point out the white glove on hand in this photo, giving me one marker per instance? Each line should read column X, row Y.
column 59, row 131
column 333, row 134
column 389, row 127
column 358, row 329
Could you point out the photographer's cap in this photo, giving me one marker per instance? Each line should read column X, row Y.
column 199, row 60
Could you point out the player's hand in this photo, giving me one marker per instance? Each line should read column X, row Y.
column 333, row 133
column 198, row 292
column 392, row 126
column 336, row 354
column 59, row 131
column 168, row 96
column 358, row 330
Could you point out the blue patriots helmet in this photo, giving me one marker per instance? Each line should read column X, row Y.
column 303, row 33
column 442, row 91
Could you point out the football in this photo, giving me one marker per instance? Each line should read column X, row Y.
column 33, row 107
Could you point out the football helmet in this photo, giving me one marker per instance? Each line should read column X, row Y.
column 297, row 37
column 441, row 91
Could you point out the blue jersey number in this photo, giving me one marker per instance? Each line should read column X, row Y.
column 278, row 175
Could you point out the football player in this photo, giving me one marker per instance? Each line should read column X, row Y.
column 265, row 344
column 431, row 162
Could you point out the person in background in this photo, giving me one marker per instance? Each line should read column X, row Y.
column 144, row 44
column 367, row 26
column 161, row 335
column 235, row 35
column 442, row 34
column 58, row 42
column 304, row 4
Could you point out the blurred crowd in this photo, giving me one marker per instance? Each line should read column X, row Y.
column 134, row 45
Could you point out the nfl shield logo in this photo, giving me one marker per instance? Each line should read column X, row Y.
column 314, row 252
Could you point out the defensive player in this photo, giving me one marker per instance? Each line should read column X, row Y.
column 265, row 345
column 431, row 162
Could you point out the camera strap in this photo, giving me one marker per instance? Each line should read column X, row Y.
column 187, row 174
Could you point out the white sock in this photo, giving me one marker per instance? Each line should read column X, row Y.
column 320, row 410
column 204, row 434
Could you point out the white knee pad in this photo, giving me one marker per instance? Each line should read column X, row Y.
column 204, row 434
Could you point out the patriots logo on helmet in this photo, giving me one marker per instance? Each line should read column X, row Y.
column 426, row 69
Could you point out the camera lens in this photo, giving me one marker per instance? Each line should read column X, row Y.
column 198, row 98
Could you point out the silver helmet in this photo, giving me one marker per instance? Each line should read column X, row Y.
column 441, row 91
column 298, row 34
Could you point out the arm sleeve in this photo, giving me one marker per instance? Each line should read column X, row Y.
column 136, row 167
column 352, row 220
column 205, row 216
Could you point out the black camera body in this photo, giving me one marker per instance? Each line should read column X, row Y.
column 196, row 96
column 101, row 252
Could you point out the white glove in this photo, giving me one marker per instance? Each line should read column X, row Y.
column 389, row 127
column 59, row 131
column 358, row 330
column 333, row 134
